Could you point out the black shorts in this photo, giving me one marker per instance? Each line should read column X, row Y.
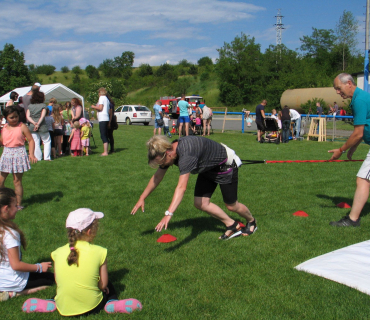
column 261, row 125
column 205, row 187
column 58, row 132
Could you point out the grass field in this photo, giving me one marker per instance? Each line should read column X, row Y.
column 199, row 276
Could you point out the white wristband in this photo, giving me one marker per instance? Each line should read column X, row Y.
column 167, row 213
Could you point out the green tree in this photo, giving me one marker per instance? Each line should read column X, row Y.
column 92, row 72
column 205, row 61
column 193, row 70
column 145, row 70
column 119, row 66
column 321, row 40
column 64, row 69
column 346, row 30
column 185, row 63
column 77, row 70
column 123, row 64
column 47, row 69
column 13, row 71
column 238, row 71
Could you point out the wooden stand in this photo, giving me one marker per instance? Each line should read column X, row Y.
column 319, row 123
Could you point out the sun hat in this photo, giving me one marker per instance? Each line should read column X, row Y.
column 82, row 121
column 81, row 218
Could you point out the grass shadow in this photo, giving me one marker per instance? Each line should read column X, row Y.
column 197, row 225
column 43, row 198
column 116, row 278
column 336, row 200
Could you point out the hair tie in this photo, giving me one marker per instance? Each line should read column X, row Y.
column 72, row 248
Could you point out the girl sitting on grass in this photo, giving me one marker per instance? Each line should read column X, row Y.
column 81, row 273
column 14, row 158
column 17, row 277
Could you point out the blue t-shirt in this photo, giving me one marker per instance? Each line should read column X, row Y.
column 360, row 106
column 183, row 105
column 157, row 109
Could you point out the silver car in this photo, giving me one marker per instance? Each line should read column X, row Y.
column 133, row 114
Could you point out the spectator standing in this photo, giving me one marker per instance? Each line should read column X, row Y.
column 67, row 117
column 52, row 101
column 26, row 99
column 58, row 128
column 158, row 115
column 166, row 127
column 112, row 124
column 13, row 97
column 260, row 120
column 207, row 119
column 103, row 116
column 75, row 139
column 36, row 116
column 184, row 115
column 336, row 109
column 285, row 122
column 50, row 124
column 296, row 118
column 319, row 109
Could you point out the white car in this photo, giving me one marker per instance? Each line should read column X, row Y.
column 133, row 114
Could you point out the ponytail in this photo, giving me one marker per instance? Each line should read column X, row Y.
column 72, row 239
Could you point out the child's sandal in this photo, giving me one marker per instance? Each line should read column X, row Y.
column 38, row 305
column 122, row 306
column 236, row 230
column 247, row 230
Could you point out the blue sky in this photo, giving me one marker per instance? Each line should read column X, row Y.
column 80, row 32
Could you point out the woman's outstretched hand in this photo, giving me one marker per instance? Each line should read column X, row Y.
column 164, row 223
column 139, row 204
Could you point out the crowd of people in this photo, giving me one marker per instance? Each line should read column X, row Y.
column 192, row 119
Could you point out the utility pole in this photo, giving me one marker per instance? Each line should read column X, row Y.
column 278, row 27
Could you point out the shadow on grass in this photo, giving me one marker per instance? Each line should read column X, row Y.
column 44, row 197
column 198, row 226
column 337, row 200
column 119, row 149
column 116, row 278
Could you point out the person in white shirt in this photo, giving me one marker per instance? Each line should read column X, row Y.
column 296, row 118
column 103, row 116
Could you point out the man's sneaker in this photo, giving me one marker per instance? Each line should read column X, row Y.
column 346, row 222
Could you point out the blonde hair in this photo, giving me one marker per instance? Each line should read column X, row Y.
column 75, row 235
column 76, row 125
column 56, row 113
column 157, row 146
column 102, row 91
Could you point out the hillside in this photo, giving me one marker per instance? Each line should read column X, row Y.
column 147, row 94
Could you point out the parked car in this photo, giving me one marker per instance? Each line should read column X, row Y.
column 133, row 114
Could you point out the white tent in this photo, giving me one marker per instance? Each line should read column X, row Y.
column 55, row 90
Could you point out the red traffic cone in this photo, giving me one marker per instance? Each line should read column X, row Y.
column 300, row 214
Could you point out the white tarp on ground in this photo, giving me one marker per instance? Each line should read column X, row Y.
column 349, row 266
column 55, row 90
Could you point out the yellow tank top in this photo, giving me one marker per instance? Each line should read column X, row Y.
column 77, row 286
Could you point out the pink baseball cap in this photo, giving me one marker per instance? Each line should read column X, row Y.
column 81, row 218
column 82, row 121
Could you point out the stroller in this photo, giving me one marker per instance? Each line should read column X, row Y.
column 272, row 134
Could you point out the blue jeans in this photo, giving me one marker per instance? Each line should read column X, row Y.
column 298, row 127
column 286, row 125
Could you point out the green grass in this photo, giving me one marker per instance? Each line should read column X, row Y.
column 199, row 276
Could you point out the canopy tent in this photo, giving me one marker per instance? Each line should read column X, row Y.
column 55, row 90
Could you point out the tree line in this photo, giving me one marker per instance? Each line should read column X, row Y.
column 245, row 74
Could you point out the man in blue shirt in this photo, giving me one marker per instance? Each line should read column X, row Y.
column 360, row 104
column 184, row 115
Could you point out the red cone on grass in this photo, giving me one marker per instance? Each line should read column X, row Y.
column 343, row 205
column 166, row 238
column 300, row 214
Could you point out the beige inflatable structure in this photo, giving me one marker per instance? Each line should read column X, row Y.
column 293, row 98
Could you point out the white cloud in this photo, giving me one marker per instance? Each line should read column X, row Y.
column 72, row 53
column 118, row 17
